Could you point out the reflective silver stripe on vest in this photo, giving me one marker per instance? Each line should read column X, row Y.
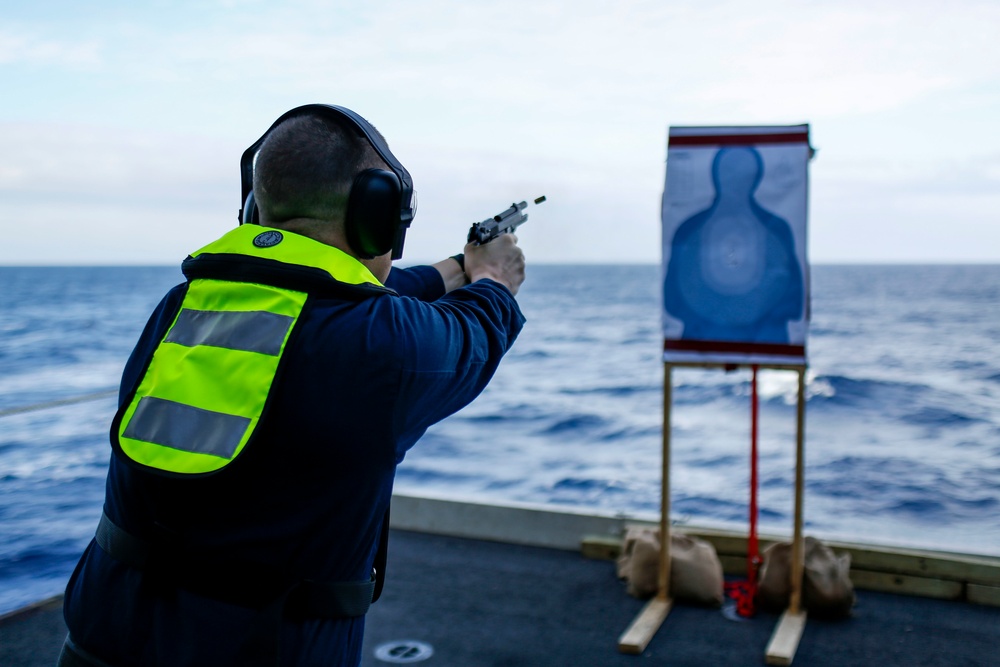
column 250, row 331
column 187, row 428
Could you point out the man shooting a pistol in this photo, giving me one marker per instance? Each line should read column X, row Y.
column 265, row 408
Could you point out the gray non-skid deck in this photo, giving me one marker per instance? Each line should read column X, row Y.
column 490, row 604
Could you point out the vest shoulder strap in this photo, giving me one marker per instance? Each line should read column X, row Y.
column 243, row 268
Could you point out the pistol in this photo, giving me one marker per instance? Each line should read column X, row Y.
column 501, row 223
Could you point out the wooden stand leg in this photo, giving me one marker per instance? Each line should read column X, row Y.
column 638, row 635
column 785, row 640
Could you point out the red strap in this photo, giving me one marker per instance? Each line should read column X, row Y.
column 744, row 592
column 753, row 553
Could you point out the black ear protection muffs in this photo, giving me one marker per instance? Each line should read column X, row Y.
column 381, row 204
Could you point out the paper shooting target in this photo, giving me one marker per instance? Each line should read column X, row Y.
column 734, row 245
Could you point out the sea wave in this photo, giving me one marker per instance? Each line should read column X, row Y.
column 902, row 421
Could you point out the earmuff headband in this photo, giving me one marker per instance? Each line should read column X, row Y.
column 406, row 203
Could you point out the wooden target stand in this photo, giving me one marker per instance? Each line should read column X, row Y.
column 785, row 639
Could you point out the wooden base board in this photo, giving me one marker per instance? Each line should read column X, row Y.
column 902, row 584
column 988, row 595
column 884, row 569
column 637, row 636
column 601, row 547
column 785, row 640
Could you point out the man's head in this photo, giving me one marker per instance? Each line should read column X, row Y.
column 304, row 171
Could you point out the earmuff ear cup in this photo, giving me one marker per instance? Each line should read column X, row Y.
column 372, row 222
column 382, row 203
column 249, row 214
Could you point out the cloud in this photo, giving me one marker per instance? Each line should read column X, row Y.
column 846, row 59
column 487, row 102
column 80, row 163
column 33, row 48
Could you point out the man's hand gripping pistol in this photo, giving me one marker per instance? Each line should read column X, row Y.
column 501, row 223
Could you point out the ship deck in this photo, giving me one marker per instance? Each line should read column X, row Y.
column 482, row 602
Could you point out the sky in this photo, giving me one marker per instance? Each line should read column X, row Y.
column 122, row 123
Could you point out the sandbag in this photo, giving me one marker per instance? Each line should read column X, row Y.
column 695, row 568
column 827, row 590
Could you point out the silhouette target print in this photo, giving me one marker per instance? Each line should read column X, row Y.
column 733, row 274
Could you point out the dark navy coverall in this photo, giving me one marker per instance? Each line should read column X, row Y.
column 362, row 382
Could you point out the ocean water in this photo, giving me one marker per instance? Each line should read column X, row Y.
column 902, row 424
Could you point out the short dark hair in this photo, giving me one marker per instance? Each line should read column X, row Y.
column 305, row 168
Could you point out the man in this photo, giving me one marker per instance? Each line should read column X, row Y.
column 266, row 405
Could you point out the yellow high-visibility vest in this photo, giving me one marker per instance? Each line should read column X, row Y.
column 208, row 381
